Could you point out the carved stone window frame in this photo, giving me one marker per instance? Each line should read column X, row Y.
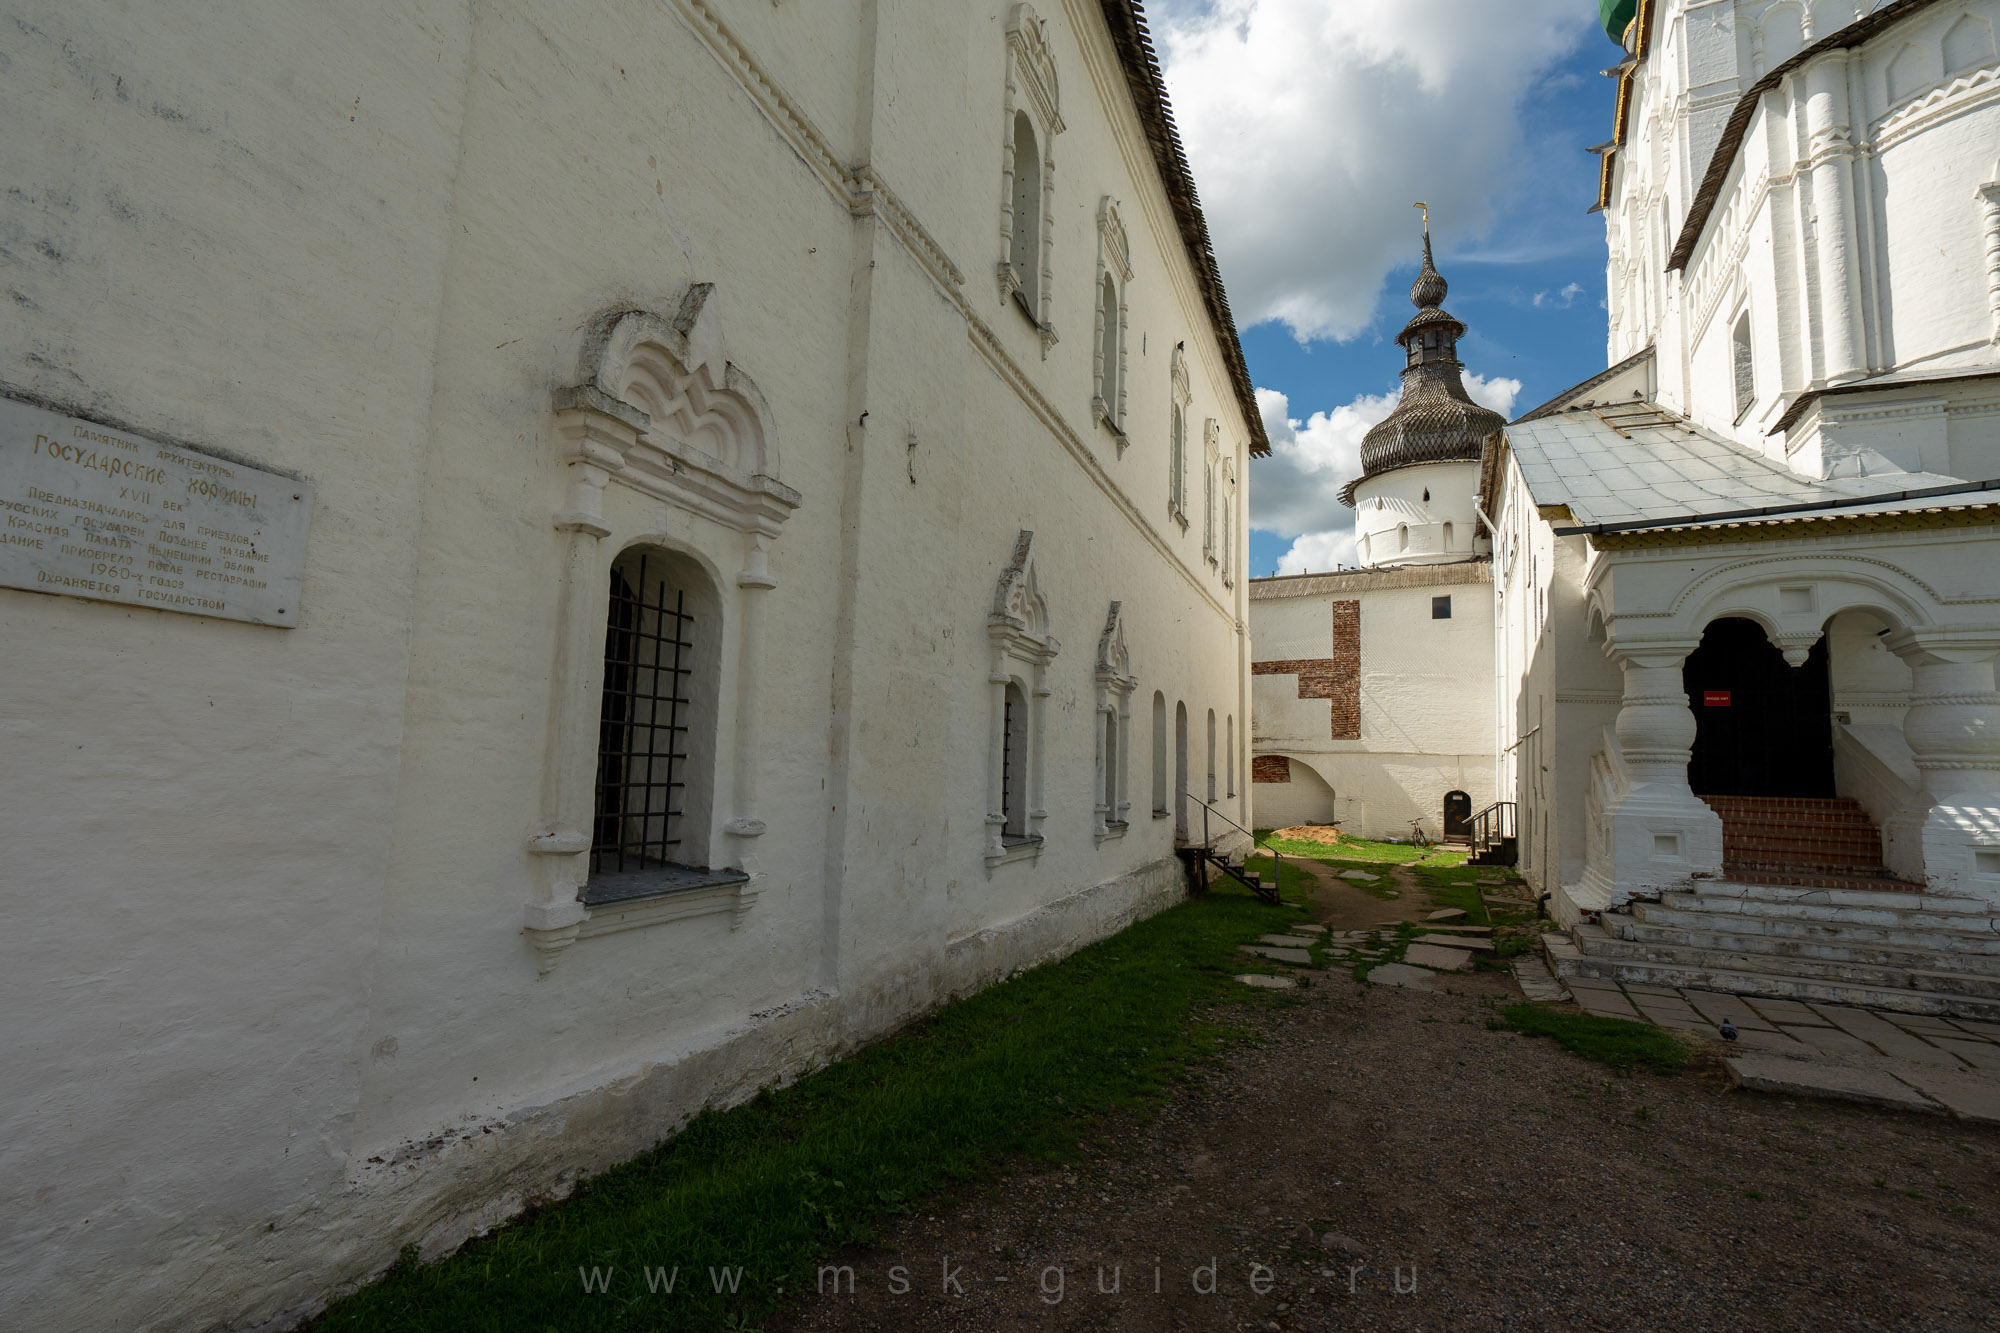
column 673, row 365
column 1114, row 261
column 1229, row 523
column 1021, row 648
column 1115, row 683
column 1031, row 87
column 1183, row 398
column 1211, row 458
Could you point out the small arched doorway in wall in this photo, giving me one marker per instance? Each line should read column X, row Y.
column 1457, row 815
column 1762, row 727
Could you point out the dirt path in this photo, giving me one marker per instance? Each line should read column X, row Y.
column 1512, row 1183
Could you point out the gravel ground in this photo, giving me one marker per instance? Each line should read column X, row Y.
column 1374, row 1139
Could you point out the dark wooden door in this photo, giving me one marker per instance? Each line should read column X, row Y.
column 1762, row 727
column 1457, row 815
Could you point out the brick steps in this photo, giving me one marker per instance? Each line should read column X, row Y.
column 1804, row 841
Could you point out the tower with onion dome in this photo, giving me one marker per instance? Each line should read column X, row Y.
column 1416, row 500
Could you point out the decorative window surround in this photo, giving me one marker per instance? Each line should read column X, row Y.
column 1115, row 683
column 1114, row 263
column 1229, row 524
column 1031, row 87
column 1211, row 454
column 1022, row 648
column 657, row 409
column 1183, row 396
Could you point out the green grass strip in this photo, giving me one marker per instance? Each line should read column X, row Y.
column 1023, row 1068
column 1617, row 1042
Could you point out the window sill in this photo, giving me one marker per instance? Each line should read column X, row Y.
column 1014, row 849
column 1161, row 814
column 1113, row 828
column 617, row 903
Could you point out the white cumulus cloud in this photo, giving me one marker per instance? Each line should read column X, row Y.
column 1297, row 489
column 1311, row 125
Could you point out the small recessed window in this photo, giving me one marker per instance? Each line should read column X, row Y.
column 1427, row 497
column 1440, row 608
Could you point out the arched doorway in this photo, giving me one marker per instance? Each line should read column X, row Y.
column 1762, row 727
column 1457, row 815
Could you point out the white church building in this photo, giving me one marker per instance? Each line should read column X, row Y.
column 1744, row 584
column 1748, row 578
column 558, row 565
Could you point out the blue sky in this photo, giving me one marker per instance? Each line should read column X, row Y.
column 1482, row 108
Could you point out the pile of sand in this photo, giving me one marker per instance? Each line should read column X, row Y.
column 1325, row 834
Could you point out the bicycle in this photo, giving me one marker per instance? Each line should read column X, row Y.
column 1419, row 838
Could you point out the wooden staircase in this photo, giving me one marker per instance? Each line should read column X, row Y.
column 1201, row 861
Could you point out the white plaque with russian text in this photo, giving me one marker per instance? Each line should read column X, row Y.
column 92, row 511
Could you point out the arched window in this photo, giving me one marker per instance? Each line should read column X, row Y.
column 1032, row 116
column 1014, row 764
column 1024, row 252
column 1177, row 441
column 1110, row 792
column 1115, row 683
column 1114, row 276
column 656, row 720
column 1211, row 755
column 1744, row 366
column 1447, row 536
column 1211, row 448
column 1180, row 769
column 1229, row 760
column 1402, row 536
column 1160, row 810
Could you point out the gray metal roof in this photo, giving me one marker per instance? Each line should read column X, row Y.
column 1640, row 465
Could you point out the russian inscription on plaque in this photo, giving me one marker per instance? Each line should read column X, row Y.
column 90, row 511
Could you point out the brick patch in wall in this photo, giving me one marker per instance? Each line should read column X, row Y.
column 1270, row 768
column 1336, row 678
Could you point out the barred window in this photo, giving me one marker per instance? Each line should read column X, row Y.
column 656, row 721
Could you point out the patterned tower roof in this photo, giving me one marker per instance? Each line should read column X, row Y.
column 1436, row 421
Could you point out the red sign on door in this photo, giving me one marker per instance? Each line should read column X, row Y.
column 1715, row 698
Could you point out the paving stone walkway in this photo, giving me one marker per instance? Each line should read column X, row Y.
column 1914, row 1062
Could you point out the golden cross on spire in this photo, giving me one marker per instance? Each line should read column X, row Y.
column 1425, row 209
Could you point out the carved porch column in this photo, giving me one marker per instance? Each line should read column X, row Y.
column 1953, row 731
column 595, row 430
column 1660, row 835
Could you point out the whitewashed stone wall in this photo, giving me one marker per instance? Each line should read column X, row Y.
column 279, row 877
column 1426, row 691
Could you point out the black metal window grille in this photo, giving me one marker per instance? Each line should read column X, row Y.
column 1007, row 764
column 643, row 726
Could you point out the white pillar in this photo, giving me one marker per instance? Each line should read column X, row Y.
column 1830, row 150
column 593, row 441
column 1657, row 834
column 1989, row 230
column 752, row 582
column 1953, row 731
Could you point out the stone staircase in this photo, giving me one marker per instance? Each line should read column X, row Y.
column 1906, row 951
column 1806, row 910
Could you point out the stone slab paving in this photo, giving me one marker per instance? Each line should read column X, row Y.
column 1277, row 954
column 1915, row 1062
column 1264, row 981
column 1289, row 941
column 1358, row 876
column 1400, row 974
column 1537, row 982
column 1448, row 914
column 1432, row 955
column 1456, row 942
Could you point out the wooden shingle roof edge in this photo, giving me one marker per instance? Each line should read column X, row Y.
column 1127, row 22
column 1726, row 148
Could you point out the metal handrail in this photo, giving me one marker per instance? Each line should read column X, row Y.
column 1492, row 825
column 1277, row 857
